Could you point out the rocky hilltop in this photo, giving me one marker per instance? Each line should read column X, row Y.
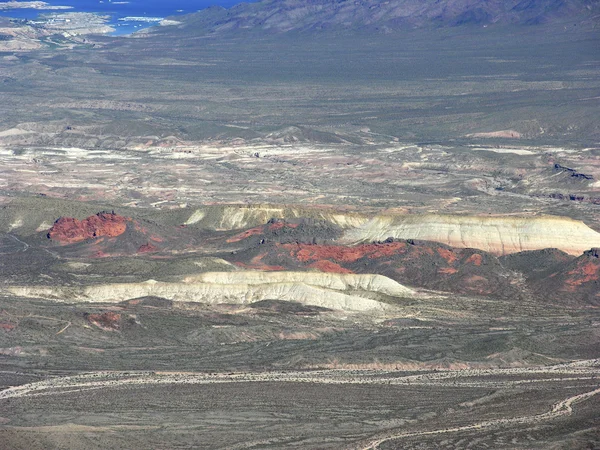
column 279, row 16
column 68, row 230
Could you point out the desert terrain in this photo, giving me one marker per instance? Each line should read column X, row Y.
column 278, row 227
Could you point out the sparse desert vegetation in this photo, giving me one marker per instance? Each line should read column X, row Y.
column 279, row 227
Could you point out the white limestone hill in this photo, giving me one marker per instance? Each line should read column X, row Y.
column 335, row 281
column 495, row 234
column 342, row 292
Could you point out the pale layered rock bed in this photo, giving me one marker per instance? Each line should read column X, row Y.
column 338, row 282
column 333, row 291
column 499, row 235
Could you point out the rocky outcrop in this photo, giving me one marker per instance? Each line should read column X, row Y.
column 68, row 230
column 498, row 235
column 592, row 253
column 573, row 172
column 109, row 321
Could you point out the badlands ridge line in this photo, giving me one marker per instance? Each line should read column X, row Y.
column 496, row 234
column 328, row 290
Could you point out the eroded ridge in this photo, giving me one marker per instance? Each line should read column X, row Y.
column 336, row 291
column 499, row 235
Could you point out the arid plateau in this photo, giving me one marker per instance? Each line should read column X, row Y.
column 331, row 225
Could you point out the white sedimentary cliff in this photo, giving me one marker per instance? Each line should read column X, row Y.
column 499, row 235
column 334, row 291
column 335, row 281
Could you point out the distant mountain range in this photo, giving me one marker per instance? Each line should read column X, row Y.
column 279, row 16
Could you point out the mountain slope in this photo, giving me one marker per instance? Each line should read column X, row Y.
column 575, row 283
column 302, row 15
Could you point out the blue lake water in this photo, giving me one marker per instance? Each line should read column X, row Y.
column 117, row 9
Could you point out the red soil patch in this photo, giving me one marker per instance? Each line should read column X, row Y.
column 246, row 234
column 68, row 230
column 448, row 255
column 257, row 264
column 475, row 279
column 260, row 230
column 475, row 258
column 329, row 266
column 7, row 326
column 477, row 284
column 584, row 274
column 279, row 225
column 147, row 248
column 307, row 252
column 447, row 270
column 109, row 321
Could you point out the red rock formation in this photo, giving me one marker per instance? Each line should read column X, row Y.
column 257, row 231
column 308, row 252
column 257, row 263
column 475, row 258
column 109, row 320
column 329, row 266
column 68, row 230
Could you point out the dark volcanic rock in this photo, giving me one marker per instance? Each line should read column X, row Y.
column 574, row 283
column 536, row 264
column 287, row 231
